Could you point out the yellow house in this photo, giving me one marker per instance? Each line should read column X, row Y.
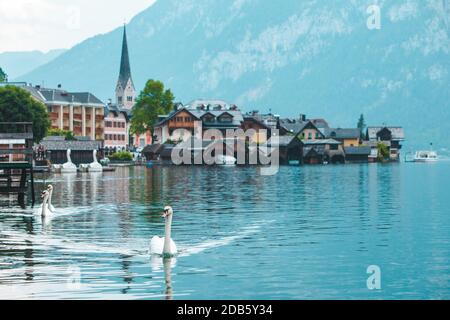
column 349, row 137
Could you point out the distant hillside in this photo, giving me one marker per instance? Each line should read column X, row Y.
column 17, row 64
column 313, row 57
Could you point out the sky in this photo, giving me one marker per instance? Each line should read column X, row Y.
column 43, row 25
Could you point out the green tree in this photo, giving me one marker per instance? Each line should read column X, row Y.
column 383, row 152
column 68, row 135
column 153, row 101
column 361, row 125
column 3, row 76
column 17, row 105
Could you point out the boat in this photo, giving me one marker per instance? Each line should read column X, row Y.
column 226, row 160
column 426, row 156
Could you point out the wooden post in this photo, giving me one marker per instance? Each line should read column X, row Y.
column 33, row 198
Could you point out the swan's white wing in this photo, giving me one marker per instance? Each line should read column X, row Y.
column 156, row 245
column 173, row 247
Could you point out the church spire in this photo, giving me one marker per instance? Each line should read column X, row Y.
column 125, row 91
column 125, row 69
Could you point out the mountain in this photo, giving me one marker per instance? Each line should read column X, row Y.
column 16, row 64
column 291, row 56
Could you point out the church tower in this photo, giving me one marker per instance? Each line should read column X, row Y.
column 125, row 90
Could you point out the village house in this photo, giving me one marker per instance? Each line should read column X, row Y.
column 116, row 127
column 81, row 150
column 200, row 114
column 262, row 132
column 79, row 112
column 391, row 137
column 290, row 149
column 349, row 137
column 323, row 151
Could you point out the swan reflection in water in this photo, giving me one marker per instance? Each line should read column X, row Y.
column 159, row 264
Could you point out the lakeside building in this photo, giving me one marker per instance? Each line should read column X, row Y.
column 391, row 137
column 208, row 114
column 350, row 137
column 81, row 150
column 79, row 112
column 116, row 127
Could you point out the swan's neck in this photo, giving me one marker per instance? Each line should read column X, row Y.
column 50, row 198
column 168, row 235
column 95, row 156
column 68, row 157
column 44, row 207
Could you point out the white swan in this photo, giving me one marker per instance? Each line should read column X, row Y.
column 50, row 192
column 95, row 166
column 45, row 212
column 68, row 167
column 165, row 246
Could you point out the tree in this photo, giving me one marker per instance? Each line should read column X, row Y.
column 68, row 135
column 152, row 102
column 3, row 76
column 361, row 125
column 383, row 152
column 17, row 105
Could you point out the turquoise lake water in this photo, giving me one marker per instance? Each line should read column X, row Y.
column 306, row 233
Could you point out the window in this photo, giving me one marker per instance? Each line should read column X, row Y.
column 317, row 135
column 187, row 119
column 310, row 136
column 334, row 147
column 179, row 119
column 119, row 99
column 225, row 118
column 130, row 99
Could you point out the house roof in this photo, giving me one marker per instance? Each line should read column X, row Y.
column 282, row 141
column 153, row 148
column 397, row 132
column 352, row 133
column 248, row 118
column 59, row 96
column 61, row 145
column 320, row 142
column 173, row 114
column 110, row 107
column 364, row 150
column 198, row 114
column 314, row 150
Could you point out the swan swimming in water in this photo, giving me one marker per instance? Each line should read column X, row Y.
column 45, row 212
column 165, row 246
column 50, row 192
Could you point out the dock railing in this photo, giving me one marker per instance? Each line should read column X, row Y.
column 16, row 158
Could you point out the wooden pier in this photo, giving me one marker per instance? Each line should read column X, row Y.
column 16, row 160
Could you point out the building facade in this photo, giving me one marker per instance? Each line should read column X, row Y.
column 79, row 112
column 116, row 127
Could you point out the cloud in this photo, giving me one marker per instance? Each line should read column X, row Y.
column 49, row 24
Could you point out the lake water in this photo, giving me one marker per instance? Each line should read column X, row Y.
column 306, row 233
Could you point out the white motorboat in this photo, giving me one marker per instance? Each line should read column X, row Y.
column 426, row 156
